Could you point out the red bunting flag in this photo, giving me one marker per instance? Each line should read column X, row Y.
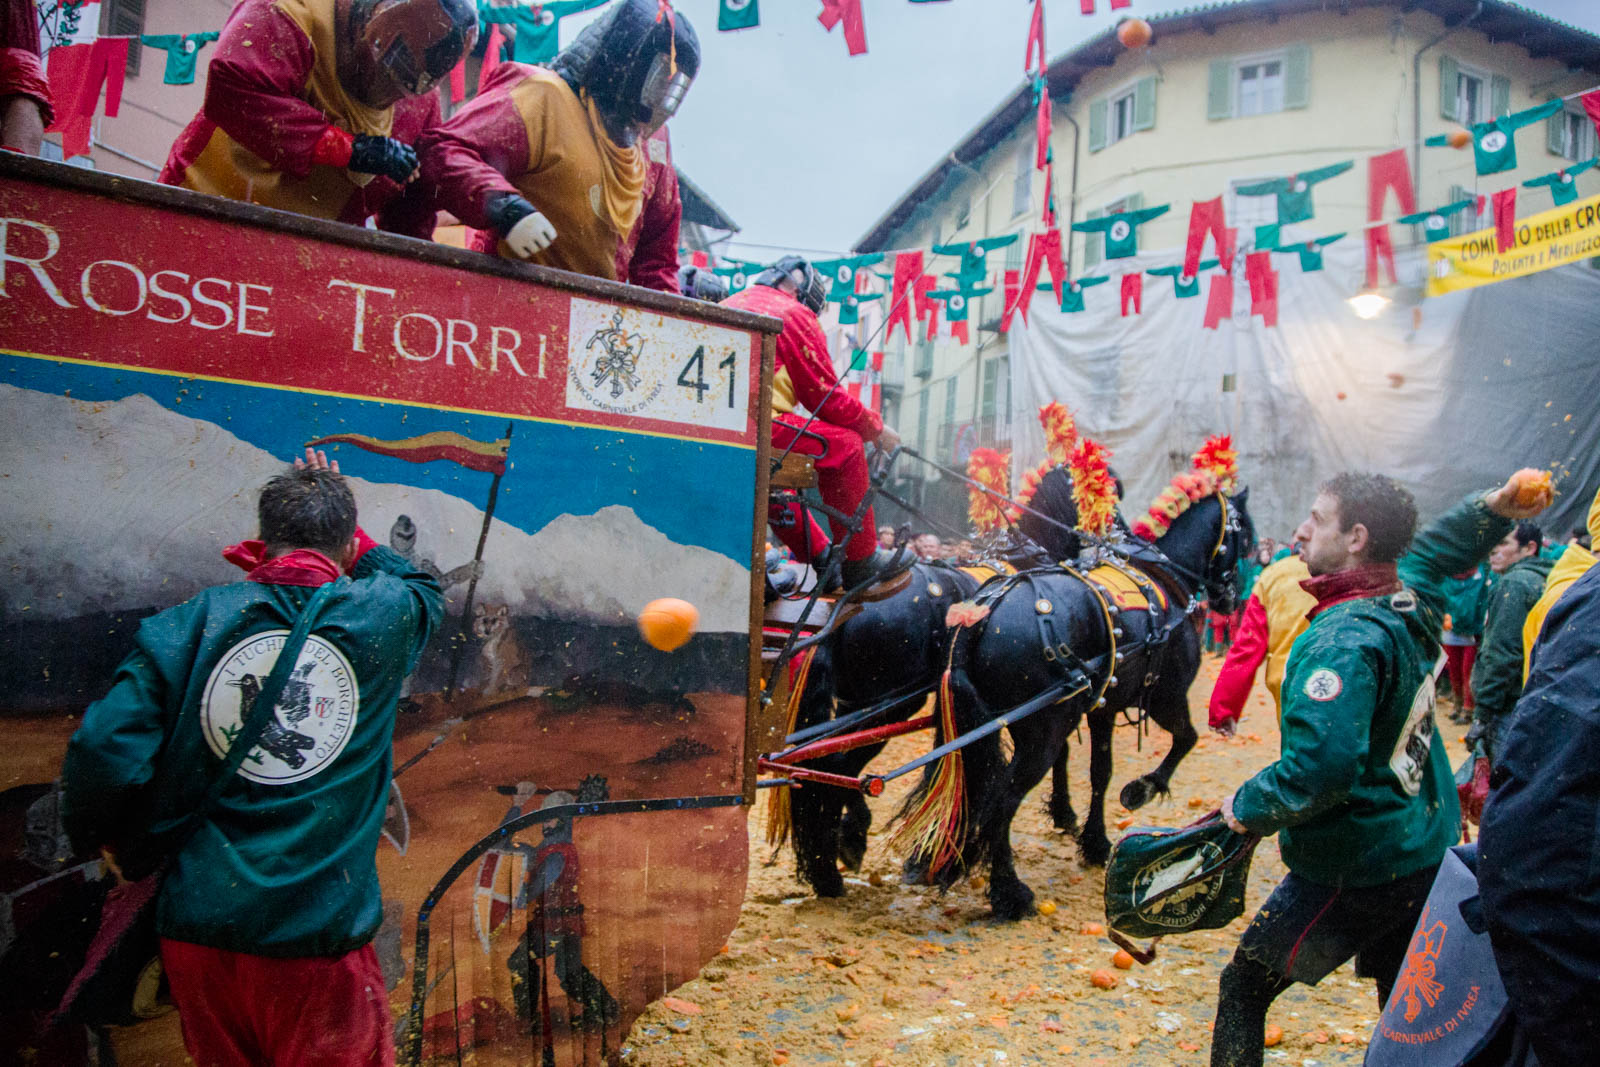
column 1013, row 290
column 848, row 12
column 1380, row 251
column 1263, row 287
column 1043, row 249
column 1133, row 293
column 1505, row 219
column 1219, row 301
column 1206, row 217
column 1034, row 53
column 907, row 269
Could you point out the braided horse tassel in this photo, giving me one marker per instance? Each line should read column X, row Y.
column 780, row 814
column 937, row 825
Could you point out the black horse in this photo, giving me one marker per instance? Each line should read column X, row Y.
column 1050, row 636
column 890, row 657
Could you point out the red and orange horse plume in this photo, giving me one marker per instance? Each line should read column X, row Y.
column 1060, row 436
column 1221, row 459
column 1094, row 491
column 992, row 470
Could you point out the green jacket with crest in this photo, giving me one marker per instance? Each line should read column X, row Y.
column 1362, row 792
column 285, row 864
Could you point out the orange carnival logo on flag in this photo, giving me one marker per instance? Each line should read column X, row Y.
column 486, row 456
column 1418, row 980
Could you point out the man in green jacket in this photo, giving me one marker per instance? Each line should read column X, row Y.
column 267, row 913
column 1361, row 795
column 1497, row 673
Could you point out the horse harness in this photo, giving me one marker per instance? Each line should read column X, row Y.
column 1114, row 599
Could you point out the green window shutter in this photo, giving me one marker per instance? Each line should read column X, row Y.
column 1144, row 103
column 1555, row 140
column 1134, row 202
column 1447, row 87
column 1297, row 76
column 1499, row 96
column 1092, row 242
column 1097, row 124
column 1219, row 90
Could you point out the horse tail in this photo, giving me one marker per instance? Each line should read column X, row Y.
column 932, row 824
column 780, row 810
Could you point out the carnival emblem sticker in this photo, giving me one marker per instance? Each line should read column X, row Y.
column 632, row 362
column 1324, row 684
column 314, row 717
column 1180, row 910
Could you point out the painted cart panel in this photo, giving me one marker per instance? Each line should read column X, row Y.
column 557, row 450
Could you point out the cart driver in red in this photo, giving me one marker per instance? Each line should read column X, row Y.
column 804, row 380
column 313, row 106
column 568, row 166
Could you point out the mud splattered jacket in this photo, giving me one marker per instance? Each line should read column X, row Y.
column 1362, row 792
column 285, row 864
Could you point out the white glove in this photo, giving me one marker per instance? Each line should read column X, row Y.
column 532, row 234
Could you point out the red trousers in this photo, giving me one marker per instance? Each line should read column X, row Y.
column 239, row 1009
column 1458, row 660
column 841, row 479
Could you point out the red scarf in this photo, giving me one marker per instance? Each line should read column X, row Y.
column 1375, row 579
column 303, row 566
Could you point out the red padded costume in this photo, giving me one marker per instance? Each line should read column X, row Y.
column 803, row 377
column 272, row 91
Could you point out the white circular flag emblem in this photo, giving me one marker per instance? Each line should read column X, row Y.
column 845, row 274
column 1324, row 684
column 739, row 281
column 1492, row 141
column 957, row 302
column 547, row 17
column 1120, row 230
column 314, row 717
column 1300, row 185
column 1435, row 222
column 737, row 5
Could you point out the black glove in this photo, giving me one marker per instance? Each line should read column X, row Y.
column 505, row 210
column 395, row 160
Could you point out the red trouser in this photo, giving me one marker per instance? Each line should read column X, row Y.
column 248, row 1010
column 1458, row 661
column 841, row 479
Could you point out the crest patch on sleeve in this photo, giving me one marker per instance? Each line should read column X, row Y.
column 1324, row 684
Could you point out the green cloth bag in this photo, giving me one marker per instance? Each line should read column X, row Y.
column 1163, row 881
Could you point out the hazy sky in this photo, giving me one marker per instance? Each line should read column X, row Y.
column 806, row 146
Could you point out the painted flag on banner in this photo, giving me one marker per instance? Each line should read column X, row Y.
column 486, row 456
column 738, row 14
column 865, row 377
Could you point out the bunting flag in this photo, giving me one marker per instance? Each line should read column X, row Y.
column 739, row 272
column 738, row 15
column 1380, row 252
column 77, row 73
column 1132, row 293
column 927, row 306
column 1494, row 144
column 974, row 269
column 848, row 12
column 1219, row 301
column 1072, row 294
column 842, row 272
column 1563, row 190
column 850, row 305
column 1013, row 291
column 1033, row 57
column 1435, row 223
column 493, row 55
column 1205, row 219
column 1591, row 107
column 1263, row 282
column 1293, row 193
column 1505, row 219
column 486, row 456
column 865, row 380
column 957, row 306
column 1386, row 172
column 1043, row 249
column 1121, row 229
column 1311, row 251
column 182, row 49
column 907, row 269
column 1182, row 288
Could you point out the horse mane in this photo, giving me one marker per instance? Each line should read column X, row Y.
column 1185, row 489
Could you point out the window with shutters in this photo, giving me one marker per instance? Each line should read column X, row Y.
column 994, row 410
column 1262, row 84
column 1122, row 113
column 1022, row 189
column 1258, row 85
column 1572, row 135
column 124, row 18
column 1467, row 220
column 923, row 365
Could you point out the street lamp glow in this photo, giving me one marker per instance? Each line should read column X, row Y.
column 1368, row 303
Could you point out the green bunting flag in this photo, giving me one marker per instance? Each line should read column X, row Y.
column 1563, row 190
column 1294, row 192
column 842, row 272
column 1311, row 251
column 182, row 49
column 738, row 14
column 1494, row 144
column 1436, row 223
column 974, row 254
column 850, row 303
column 740, row 273
column 1072, row 295
column 1121, row 229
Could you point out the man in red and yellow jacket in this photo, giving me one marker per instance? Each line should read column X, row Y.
column 569, row 166
column 312, row 106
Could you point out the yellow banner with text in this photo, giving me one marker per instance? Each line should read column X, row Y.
column 1552, row 238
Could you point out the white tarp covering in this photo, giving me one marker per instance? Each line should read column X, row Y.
column 1449, row 396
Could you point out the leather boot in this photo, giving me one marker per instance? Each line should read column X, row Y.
column 883, row 563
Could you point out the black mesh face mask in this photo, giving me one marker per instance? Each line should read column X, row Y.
column 636, row 69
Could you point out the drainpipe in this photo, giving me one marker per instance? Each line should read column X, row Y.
column 1416, row 96
column 1072, row 196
